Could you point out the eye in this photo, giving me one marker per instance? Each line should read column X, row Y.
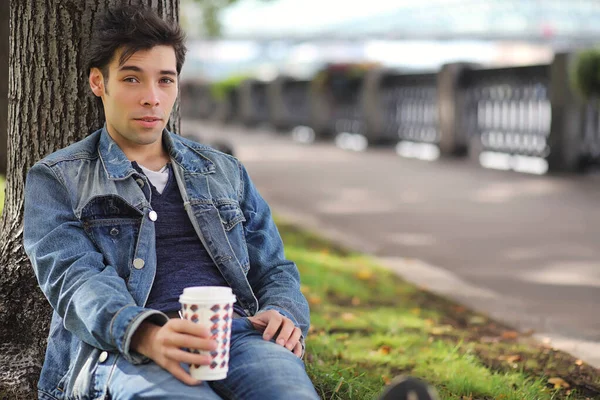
column 130, row 79
column 167, row 80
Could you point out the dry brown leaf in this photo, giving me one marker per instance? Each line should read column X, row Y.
column 559, row 383
column 355, row 301
column 348, row 316
column 510, row 335
column 579, row 362
column 314, row 300
column 364, row 274
column 304, row 289
column 386, row 379
column 460, row 309
column 385, row 350
column 416, row 311
column 467, row 398
column 513, row 359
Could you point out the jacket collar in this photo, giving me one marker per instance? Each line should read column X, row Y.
column 118, row 166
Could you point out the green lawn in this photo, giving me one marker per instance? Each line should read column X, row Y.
column 369, row 326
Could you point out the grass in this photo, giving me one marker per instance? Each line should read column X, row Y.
column 368, row 326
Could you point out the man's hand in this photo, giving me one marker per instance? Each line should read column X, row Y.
column 163, row 345
column 274, row 324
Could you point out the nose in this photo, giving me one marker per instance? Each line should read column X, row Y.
column 151, row 96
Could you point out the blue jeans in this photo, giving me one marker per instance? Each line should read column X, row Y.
column 258, row 369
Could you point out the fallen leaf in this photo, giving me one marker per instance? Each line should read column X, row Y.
column 510, row 335
column 579, row 362
column 416, row 311
column 304, row 289
column 559, row 383
column 467, row 398
column 314, row 300
column 385, row 350
column 513, row 358
column 364, row 274
column 355, row 301
column 386, row 379
column 460, row 309
column 348, row 316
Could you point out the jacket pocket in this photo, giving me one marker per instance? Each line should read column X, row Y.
column 113, row 225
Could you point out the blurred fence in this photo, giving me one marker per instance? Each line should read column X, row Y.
column 523, row 118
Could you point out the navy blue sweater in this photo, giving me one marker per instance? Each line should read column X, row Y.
column 181, row 259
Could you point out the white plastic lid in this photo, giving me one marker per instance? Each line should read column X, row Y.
column 206, row 294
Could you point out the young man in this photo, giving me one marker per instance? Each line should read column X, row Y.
column 119, row 223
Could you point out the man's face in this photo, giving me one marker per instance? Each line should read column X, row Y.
column 138, row 96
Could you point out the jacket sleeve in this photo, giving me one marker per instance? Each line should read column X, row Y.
column 274, row 279
column 90, row 297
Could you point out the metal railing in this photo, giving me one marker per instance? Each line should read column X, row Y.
column 508, row 109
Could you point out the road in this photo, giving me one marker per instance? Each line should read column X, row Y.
column 522, row 248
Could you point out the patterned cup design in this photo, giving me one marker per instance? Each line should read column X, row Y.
column 218, row 318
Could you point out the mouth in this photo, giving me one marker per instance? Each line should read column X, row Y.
column 148, row 119
column 148, row 122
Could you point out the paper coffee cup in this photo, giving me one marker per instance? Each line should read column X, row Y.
column 211, row 306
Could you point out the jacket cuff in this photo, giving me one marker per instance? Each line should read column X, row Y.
column 124, row 325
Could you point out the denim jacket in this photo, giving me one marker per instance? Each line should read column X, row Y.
column 90, row 237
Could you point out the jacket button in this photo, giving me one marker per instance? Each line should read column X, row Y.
column 103, row 357
column 114, row 231
column 138, row 263
column 153, row 215
column 140, row 182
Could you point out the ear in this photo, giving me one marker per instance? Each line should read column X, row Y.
column 97, row 82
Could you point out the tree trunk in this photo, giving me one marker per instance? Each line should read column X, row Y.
column 4, row 11
column 50, row 107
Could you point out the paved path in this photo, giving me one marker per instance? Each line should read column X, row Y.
column 524, row 249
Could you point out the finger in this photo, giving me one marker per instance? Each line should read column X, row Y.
column 273, row 326
column 294, row 338
column 286, row 330
column 189, row 327
column 189, row 341
column 178, row 372
column 188, row 357
column 298, row 349
column 258, row 324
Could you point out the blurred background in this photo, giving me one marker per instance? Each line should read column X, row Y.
column 495, row 79
column 461, row 134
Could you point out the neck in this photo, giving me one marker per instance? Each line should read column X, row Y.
column 152, row 156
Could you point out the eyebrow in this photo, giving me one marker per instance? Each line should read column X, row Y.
column 138, row 69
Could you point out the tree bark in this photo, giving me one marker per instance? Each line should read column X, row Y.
column 4, row 12
column 49, row 107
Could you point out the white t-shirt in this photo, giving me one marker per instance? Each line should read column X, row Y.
column 158, row 179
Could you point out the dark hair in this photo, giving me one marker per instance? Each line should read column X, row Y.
column 132, row 29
